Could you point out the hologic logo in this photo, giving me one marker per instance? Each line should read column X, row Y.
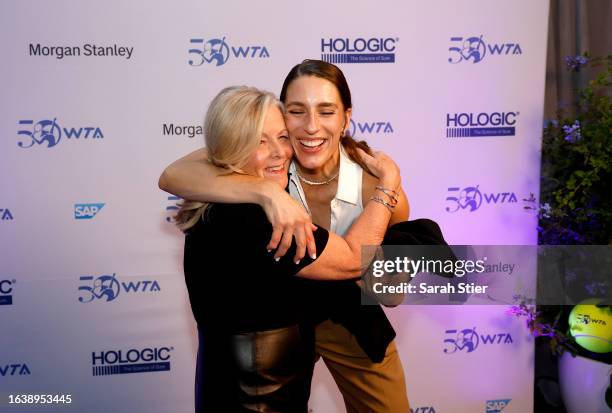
column 359, row 50
column 191, row 131
column 368, row 128
column 475, row 49
column 14, row 369
column 86, row 211
column 468, row 340
column 471, row 198
column 218, row 52
column 496, row 406
column 5, row 214
column 108, row 287
column 144, row 360
column 6, row 292
column 172, row 209
column 48, row 132
column 423, row 409
column 474, row 125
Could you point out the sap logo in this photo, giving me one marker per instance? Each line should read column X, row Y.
column 475, row 49
column 496, row 406
column 471, row 198
column 425, row 409
column 586, row 319
column 362, row 128
column 469, row 340
column 172, row 209
column 6, row 290
column 48, row 132
column 86, row 211
column 461, row 125
column 134, row 360
column 17, row 369
column 108, row 287
column 5, row 214
column 217, row 51
column 359, row 50
column 191, row 131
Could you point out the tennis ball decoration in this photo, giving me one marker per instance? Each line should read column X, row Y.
column 591, row 326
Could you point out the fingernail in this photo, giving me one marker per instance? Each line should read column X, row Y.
column 297, row 262
column 269, row 250
column 277, row 259
column 313, row 256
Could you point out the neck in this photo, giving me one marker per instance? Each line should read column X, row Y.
column 326, row 171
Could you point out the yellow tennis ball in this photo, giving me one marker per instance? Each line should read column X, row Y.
column 591, row 326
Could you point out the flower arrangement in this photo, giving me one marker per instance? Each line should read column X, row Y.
column 575, row 194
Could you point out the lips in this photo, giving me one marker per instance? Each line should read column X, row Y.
column 311, row 145
column 276, row 169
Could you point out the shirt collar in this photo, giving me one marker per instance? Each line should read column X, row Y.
column 348, row 187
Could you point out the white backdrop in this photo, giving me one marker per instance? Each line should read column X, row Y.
column 90, row 269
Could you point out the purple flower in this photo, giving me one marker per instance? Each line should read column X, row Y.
column 572, row 133
column 575, row 62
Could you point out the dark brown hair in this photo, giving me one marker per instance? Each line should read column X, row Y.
column 332, row 73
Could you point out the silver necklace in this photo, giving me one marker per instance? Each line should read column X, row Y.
column 309, row 182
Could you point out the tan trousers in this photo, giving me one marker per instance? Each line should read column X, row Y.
column 367, row 387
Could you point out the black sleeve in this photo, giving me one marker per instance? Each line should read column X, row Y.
column 250, row 227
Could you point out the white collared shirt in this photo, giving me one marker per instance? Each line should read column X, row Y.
column 347, row 204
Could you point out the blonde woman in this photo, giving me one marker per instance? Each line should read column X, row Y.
column 256, row 346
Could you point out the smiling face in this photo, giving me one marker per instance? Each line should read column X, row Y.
column 316, row 119
column 271, row 158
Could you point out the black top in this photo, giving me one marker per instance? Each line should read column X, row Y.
column 234, row 284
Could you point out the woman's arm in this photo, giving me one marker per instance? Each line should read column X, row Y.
column 194, row 177
column 342, row 257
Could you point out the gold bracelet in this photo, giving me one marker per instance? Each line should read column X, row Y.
column 382, row 201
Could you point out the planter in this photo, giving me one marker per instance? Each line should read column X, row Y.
column 583, row 384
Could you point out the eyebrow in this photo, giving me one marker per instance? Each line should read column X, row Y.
column 320, row 105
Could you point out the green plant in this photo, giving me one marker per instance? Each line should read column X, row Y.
column 575, row 195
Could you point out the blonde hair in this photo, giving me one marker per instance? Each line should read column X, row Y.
column 232, row 130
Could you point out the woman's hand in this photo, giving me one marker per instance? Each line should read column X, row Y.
column 385, row 169
column 289, row 219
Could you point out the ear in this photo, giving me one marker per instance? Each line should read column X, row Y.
column 347, row 119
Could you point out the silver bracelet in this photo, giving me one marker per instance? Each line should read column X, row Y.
column 382, row 201
column 394, row 195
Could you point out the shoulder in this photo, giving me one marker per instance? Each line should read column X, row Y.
column 369, row 183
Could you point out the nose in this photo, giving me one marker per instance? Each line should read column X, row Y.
column 312, row 123
column 276, row 149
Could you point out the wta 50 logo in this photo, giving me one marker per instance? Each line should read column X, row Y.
column 48, row 132
column 108, row 288
column 14, row 369
column 134, row 360
column 468, row 340
column 471, row 198
column 6, row 215
column 87, row 211
column 172, row 208
column 217, row 52
column 6, row 292
column 358, row 128
column 423, row 409
column 358, row 50
column 468, row 125
column 496, row 406
column 474, row 49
